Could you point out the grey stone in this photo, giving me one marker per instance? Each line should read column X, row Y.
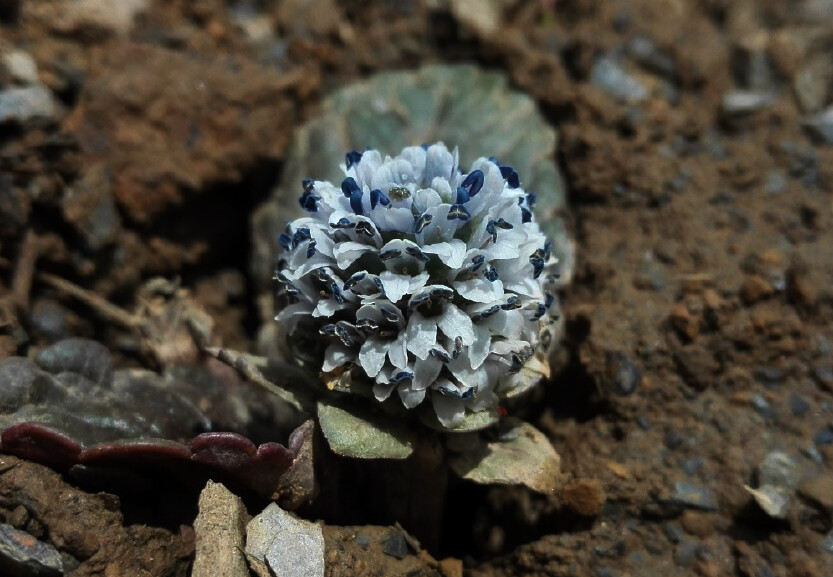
column 643, row 51
column 827, row 542
column 395, row 545
column 778, row 469
column 686, row 552
column 22, row 555
column 21, row 67
column 691, row 496
column 625, row 375
column 17, row 374
column 220, row 527
column 774, row 501
column 290, row 547
column 608, row 75
column 22, row 105
column 740, row 102
column 821, row 125
column 776, row 182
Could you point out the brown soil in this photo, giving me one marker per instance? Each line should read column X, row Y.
column 699, row 322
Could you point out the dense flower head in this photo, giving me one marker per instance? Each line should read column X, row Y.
column 430, row 282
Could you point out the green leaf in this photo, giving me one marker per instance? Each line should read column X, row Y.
column 360, row 434
column 521, row 455
column 471, row 422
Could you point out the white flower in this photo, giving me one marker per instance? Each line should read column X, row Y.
column 431, row 281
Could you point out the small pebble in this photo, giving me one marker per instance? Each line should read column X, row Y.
column 22, row 554
column 395, row 545
column 827, row 542
column 643, row 51
column 643, row 423
column 673, row 532
column 770, row 377
column 616, row 81
column 740, row 102
column 22, row 105
column 762, row 407
column 21, row 67
column 821, row 124
column 693, row 496
column 693, row 465
column 776, row 182
column 799, row 405
column 362, row 540
column 621, row 373
column 778, row 469
column 824, row 437
column 685, row 553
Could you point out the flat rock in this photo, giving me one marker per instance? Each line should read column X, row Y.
column 22, row 555
column 289, row 547
column 220, row 528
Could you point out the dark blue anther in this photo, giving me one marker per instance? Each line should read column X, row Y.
column 356, row 202
column 348, row 186
column 424, row 146
column 458, row 212
column 300, row 236
column 490, row 228
column 462, row 195
column 477, row 261
column 376, row 197
column 530, row 200
column 458, row 347
column 526, row 215
column 378, row 282
column 473, row 182
column 285, row 241
column 488, row 312
column 453, row 392
column 418, row 300
column 365, row 228
column 328, row 330
column 537, row 265
column 352, row 158
column 491, row 274
column 308, row 184
column 540, row 311
column 343, row 330
column 442, row 293
column 343, row 223
column 416, row 253
column 354, row 280
column 549, row 299
column 513, row 302
column 440, row 354
column 547, row 249
column 367, row 326
column 309, row 201
column 402, row 376
column 422, row 222
column 511, row 176
column 494, row 160
column 337, row 293
column 388, row 314
column 389, row 254
column 311, row 248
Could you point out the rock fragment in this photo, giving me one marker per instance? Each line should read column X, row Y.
column 220, row 527
column 289, row 547
column 24, row 556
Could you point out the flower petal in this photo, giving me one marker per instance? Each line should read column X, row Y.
column 479, row 290
column 372, row 356
column 426, row 372
column 479, row 349
column 421, row 335
column 410, row 396
column 396, row 352
column 452, row 252
column 450, row 410
column 335, row 356
column 455, row 323
column 347, row 252
column 396, row 285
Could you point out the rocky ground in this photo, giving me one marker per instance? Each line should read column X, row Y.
column 693, row 407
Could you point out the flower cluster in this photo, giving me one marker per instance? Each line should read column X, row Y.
column 431, row 281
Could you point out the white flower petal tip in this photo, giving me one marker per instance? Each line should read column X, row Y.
column 422, row 279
